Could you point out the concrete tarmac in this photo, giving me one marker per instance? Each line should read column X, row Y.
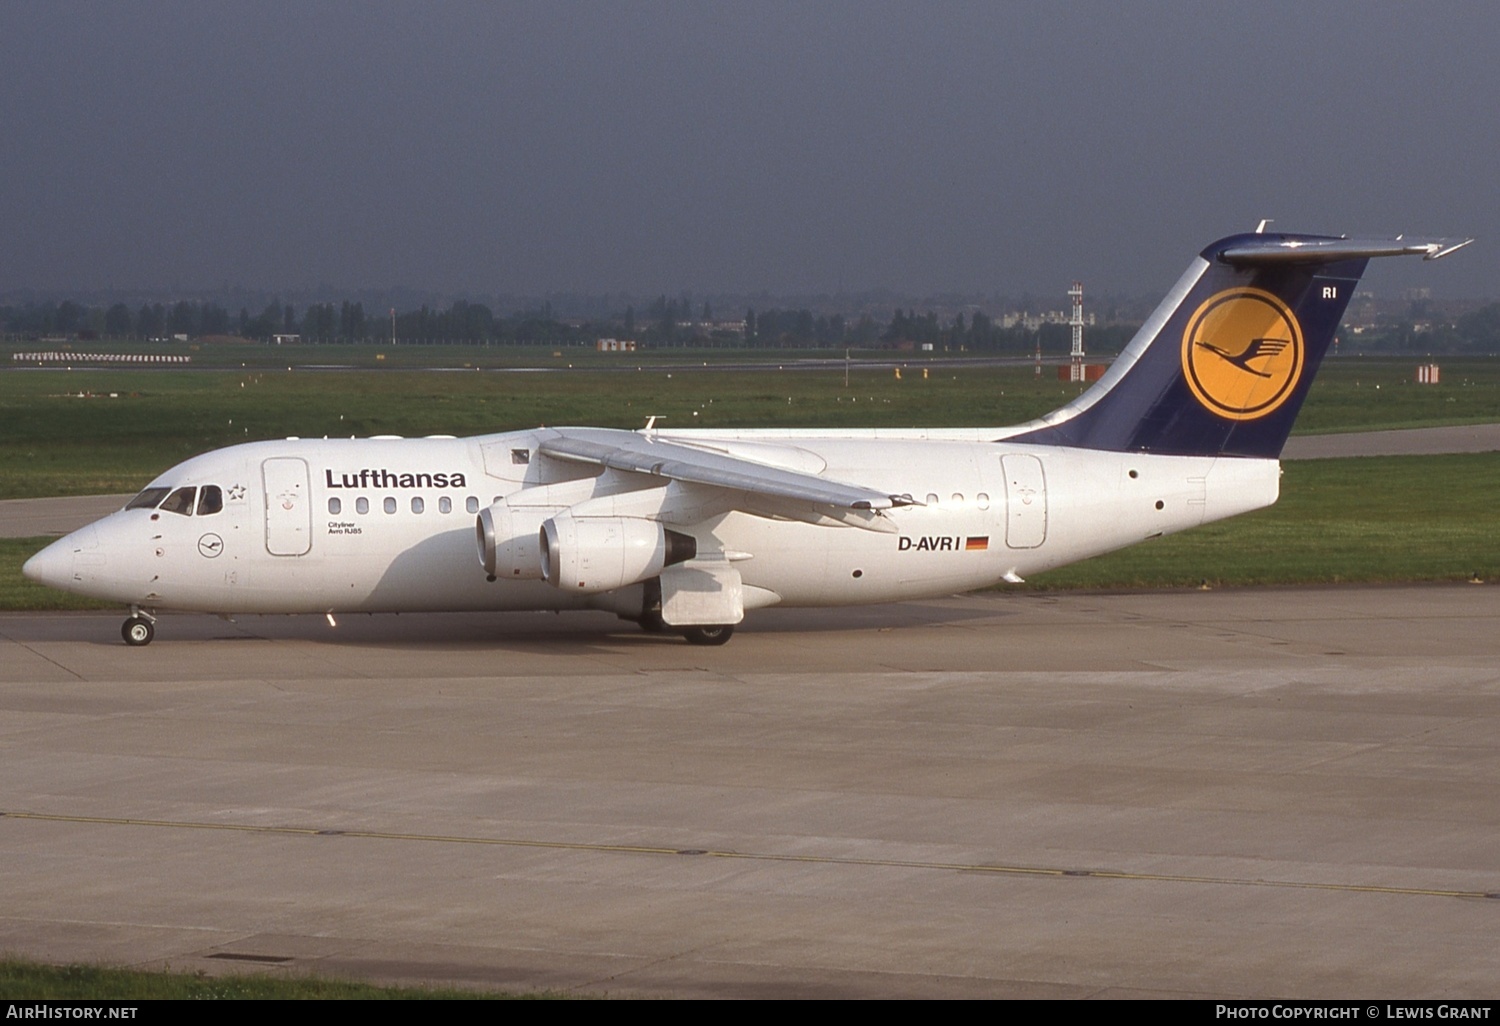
column 31, row 518
column 1241, row 793
column 1405, row 442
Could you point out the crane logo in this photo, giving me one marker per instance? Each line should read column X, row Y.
column 1242, row 353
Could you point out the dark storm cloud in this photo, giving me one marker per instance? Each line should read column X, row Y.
column 788, row 147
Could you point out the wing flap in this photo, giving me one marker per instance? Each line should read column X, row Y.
column 632, row 453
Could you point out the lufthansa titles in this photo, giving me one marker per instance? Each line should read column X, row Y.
column 390, row 479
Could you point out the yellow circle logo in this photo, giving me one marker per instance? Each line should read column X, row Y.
column 1242, row 353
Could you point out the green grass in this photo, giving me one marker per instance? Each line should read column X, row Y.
column 22, row 980
column 1365, row 394
column 94, row 431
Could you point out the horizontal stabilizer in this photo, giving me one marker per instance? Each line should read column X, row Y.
column 1275, row 249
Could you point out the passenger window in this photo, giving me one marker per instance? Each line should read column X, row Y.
column 471, row 504
column 445, row 505
column 932, row 499
column 147, row 499
column 335, row 506
column 958, row 498
column 210, row 500
column 180, row 502
column 361, row 505
column 389, row 504
column 983, row 498
column 417, row 505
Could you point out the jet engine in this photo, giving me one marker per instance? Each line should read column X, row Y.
column 509, row 540
column 592, row 554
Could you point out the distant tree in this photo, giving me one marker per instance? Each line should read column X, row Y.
column 1480, row 329
column 69, row 317
column 267, row 323
column 117, row 320
column 319, row 321
column 151, row 321
column 183, row 319
column 981, row 331
column 829, row 330
column 213, row 320
column 352, row 320
column 473, row 322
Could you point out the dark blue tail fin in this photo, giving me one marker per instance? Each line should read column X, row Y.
column 1224, row 363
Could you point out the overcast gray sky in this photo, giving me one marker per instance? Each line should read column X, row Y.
column 721, row 146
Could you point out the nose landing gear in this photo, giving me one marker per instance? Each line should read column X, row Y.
column 138, row 628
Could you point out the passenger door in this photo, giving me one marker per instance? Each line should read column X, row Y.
column 1025, row 501
column 288, row 506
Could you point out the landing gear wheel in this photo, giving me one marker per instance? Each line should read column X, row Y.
column 137, row 631
column 715, row 635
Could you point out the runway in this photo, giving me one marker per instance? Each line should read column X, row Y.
column 1257, row 793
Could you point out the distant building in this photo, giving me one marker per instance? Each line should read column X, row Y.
column 615, row 345
column 1033, row 321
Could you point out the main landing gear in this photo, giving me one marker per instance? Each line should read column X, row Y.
column 652, row 623
column 716, row 634
column 138, row 628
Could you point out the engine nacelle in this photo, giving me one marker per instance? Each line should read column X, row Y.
column 510, row 540
column 592, row 554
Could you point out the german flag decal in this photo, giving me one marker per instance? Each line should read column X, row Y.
column 977, row 544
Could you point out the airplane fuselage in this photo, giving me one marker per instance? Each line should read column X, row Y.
column 384, row 525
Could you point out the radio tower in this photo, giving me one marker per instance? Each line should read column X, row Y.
column 1075, row 372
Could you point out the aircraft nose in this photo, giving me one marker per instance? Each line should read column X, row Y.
column 53, row 566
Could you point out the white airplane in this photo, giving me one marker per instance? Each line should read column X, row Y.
column 687, row 530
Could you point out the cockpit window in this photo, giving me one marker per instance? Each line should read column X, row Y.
column 210, row 500
column 180, row 501
column 147, row 499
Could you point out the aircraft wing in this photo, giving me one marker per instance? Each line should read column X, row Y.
column 634, row 453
